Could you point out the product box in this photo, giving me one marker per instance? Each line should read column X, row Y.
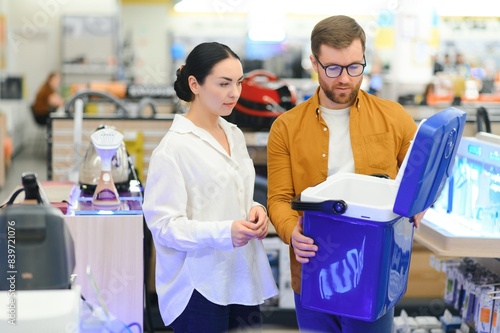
column 360, row 224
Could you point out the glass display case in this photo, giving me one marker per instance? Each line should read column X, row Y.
column 465, row 219
column 130, row 202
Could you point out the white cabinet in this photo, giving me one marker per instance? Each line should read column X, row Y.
column 112, row 246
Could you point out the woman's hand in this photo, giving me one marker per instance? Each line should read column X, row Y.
column 244, row 231
column 259, row 216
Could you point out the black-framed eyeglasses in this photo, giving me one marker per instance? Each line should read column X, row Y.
column 333, row 71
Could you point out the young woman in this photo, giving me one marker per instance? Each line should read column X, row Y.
column 211, row 268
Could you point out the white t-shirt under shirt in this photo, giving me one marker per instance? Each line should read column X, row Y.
column 340, row 157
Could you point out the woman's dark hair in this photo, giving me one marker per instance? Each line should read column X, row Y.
column 199, row 63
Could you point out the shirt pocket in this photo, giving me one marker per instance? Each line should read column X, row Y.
column 380, row 148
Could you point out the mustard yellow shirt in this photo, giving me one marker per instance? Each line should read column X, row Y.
column 297, row 153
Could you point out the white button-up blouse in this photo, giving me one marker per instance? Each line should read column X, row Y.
column 194, row 192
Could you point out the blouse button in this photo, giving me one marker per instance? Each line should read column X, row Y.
column 325, row 129
column 324, row 155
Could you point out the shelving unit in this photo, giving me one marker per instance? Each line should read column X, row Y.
column 92, row 69
column 89, row 49
column 458, row 242
column 464, row 222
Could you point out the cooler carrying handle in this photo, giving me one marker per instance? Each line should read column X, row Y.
column 338, row 207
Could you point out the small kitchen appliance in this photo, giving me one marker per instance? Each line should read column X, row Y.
column 106, row 142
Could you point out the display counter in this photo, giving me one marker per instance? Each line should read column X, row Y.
column 112, row 246
column 68, row 141
column 446, row 237
column 493, row 108
column 109, row 246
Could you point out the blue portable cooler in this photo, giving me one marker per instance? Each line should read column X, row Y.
column 360, row 224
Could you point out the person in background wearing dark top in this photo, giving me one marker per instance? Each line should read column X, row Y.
column 437, row 65
column 339, row 129
column 47, row 99
column 212, row 271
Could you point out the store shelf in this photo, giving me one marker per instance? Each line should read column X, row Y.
column 446, row 238
column 90, row 69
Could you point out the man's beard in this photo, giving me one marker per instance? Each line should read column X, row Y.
column 340, row 98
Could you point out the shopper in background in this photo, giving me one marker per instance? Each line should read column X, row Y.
column 461, row 67
column 429, row 96
column 437, row 66
column 375, row 82
column 212, row 271
column 461, row 73
column 448, row 65
column 339, row 129
column 47, row 99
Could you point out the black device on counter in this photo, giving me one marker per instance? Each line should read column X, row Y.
column 36, row 247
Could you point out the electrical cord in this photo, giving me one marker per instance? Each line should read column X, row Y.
column 125, row 328
column 132, row 325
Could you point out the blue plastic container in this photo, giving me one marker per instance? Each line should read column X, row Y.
column 360, row 224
